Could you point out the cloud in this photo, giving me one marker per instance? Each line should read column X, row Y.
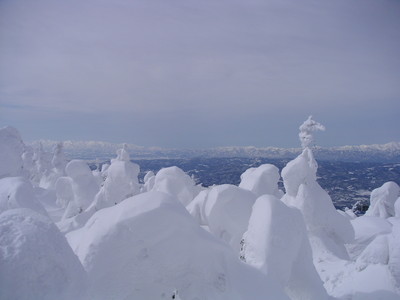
column 232, row 59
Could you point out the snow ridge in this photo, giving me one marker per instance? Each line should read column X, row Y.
column 101, row 150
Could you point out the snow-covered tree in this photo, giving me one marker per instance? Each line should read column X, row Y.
column 306, row 131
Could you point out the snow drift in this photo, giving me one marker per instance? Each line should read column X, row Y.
column 154, row 247
column 169, row 238
column 36, row 261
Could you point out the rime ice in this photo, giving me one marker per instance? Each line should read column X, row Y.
column 67, row 232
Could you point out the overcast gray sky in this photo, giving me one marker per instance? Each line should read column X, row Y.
column 183, row 73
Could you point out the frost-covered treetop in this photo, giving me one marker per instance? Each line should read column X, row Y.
column 123, row 154
column 306, row 129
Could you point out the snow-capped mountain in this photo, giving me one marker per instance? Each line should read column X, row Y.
column 104, row 150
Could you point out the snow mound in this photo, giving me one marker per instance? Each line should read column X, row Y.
column 11, row 149
column 382, row 200
column 197, row 207
column 227, row 212
column 36, row 261
column 328, row 230
column 121, row 182
column 83, row 185
column 397, row 208
column 18, row 192
column 51, row 169
column 262, row 180
column 366, row 229
column 176, row 182
column 301, row 170
column 394, row 254
column 59, row 160
column 272, row 227
column 149, row 247
column 149, row 180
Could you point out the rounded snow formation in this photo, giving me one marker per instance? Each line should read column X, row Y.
column 36, row 261
column 11, row 149
column 84, row 184
column 78, row 169
column 227, row 210
column 394, row 254
column 122, row 154
column 397, row 208
column 149, row 180
column 328, row 230
column 121, row 183
column 59, row 161
column 272, row 227
column 382, row 200
column 64, row 191
column 149, row 247
column 367, row 228
column 176, row 182
column 123, row 176
column 18, row 192
column 197, row 207
column 262, row 180
column 302, row 169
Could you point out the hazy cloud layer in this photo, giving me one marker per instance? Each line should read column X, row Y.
column 201, row 73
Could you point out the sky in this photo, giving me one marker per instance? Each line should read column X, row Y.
column 199, row 74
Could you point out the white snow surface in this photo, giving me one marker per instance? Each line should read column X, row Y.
column 18, row 192
column 83, row 186
column 169, row 238
column 225, row 210
column 382, row 200
column 11, row 149
column 273, row 226
column 328, row 230
column 176, row 182
column 121, row 182
column 397, row 208
column 36, row 261
column 149, row 180
column 148, row 246
column 261, row 180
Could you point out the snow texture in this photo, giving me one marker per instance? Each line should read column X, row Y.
column 149, row 180
column 176, row 182
column 328, row 230
column 36, row 261
column 227, row 211
column 148, row 246
column 262, row 180
column 121, row 182
column 306, row 130
column 169, row 238
column 272, row 227
column 18, row 192
column 11, row 149
column 382, row 201
column 397, row 208
column 59, row 160
column 83, row 185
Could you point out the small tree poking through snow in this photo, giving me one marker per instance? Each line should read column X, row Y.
column 306, row 130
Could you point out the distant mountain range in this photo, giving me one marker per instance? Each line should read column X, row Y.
column 92, row 150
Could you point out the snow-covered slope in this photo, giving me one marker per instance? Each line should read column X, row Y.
column 69, row 232
column 104, row 150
